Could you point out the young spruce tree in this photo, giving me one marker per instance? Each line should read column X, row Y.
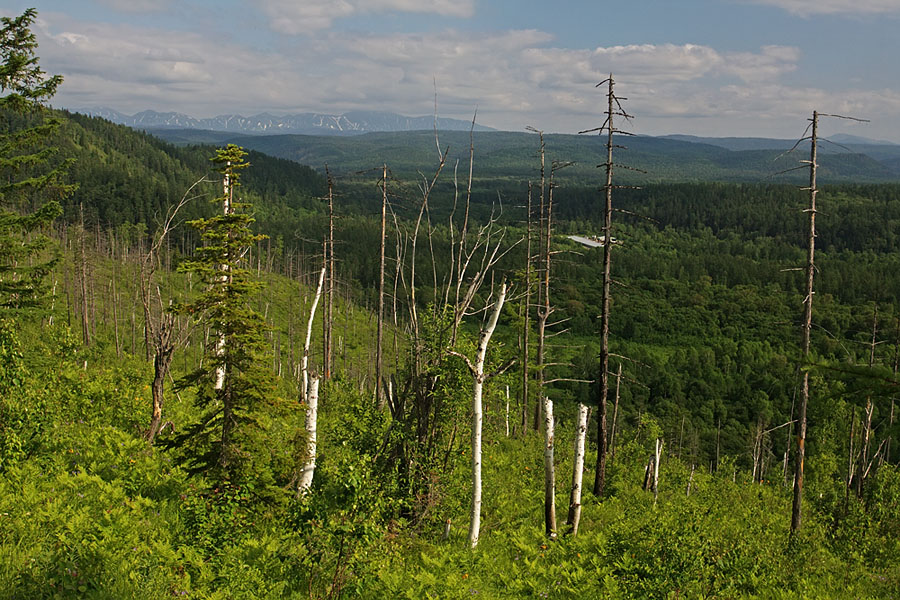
column 31, row 173
column 220, row 444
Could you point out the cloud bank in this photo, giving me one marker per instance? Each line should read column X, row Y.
column 295, row 17
column 514, row 78
column 835, row 7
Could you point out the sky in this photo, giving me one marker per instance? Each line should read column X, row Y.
column 701, row 67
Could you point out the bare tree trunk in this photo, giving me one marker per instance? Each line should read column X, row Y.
column 161, row 364
column 549, row 471
column 577, row 470
column 543, row 303
column 304, row 362
column 600, row 474
column 85, row 327
column 115, row 294
column 312, row 413
column 851, row 456
column 612, row 435
column 657, row 456
column 796, row 508
column 379, row 395
column 526, row 325
column 479, row 377
column 329, row 304
column 887, row 450
column 507, row 411
column 867, row 426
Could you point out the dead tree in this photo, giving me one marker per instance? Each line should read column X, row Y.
column 312, row 413
column 85, row 323
column 544, row 308
column 480, row 377
column 526, row 316
column 328, row 308
column 549, row 469
column 862, row 469
column 379, row 393
column 615, row 421
column 304, row 361
column 614, row 109
column 796, row 507
column 165, row 332
column 574, row 518
column 474, row 253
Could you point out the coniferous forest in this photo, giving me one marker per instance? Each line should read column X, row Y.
column 229, row 375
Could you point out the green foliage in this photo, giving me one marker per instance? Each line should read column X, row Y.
column 355, row 503
column 29, row 168
column 13, row 426
column 724, row 540
column 231, row 390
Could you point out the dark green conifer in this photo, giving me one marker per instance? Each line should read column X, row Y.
column 232, row 385
column 30, row 170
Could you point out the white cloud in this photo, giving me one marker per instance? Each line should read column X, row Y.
column 295, row 17
column 137, row 6
column 515, row 78
column 831, row 7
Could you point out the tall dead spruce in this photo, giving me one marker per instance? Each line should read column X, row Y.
column 614, row 109
column 379, row 355
column 328, row 308
column 796, row 508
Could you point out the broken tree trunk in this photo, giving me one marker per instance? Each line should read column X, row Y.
column 578, row 470
column 478, row 375
column 304, row 362
column 549, row 470
column 312, row 414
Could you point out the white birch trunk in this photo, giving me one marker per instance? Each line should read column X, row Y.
column 549, row 470
column 220, row 369
column 304, row 362
column 578, row 469
column 478, row 416
column 223, row 279
column 507, row 411
column 477, row 421
column 657, row 455
column 312, row 414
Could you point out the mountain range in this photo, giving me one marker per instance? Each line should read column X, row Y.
column 350, row 123
column 356, row 141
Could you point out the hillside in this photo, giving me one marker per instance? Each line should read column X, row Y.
column 506, row 155
column 703, row 322
column 125, row 176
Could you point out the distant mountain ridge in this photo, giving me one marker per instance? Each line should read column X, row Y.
column 350, row 123
column 756, row 143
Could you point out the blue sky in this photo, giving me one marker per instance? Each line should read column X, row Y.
column 701, row 67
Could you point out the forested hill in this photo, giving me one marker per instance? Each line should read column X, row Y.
column 501, row 155
column 126, row 176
